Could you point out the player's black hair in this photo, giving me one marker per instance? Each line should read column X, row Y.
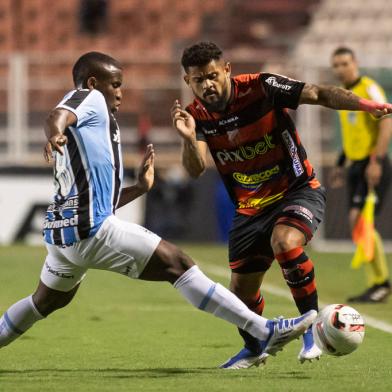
column 200, row 54
column 90, row 64
column 343, row 50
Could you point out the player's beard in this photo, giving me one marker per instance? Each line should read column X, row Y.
column 221, row 103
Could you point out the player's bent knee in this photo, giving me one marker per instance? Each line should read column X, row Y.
column 168, row 263
column 48, row 300
column 285, row 240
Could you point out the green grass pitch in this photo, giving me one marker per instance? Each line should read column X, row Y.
column 124, row 335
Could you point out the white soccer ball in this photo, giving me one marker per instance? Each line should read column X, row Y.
column 338, row 330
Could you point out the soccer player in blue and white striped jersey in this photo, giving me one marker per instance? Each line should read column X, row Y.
column 81, row 230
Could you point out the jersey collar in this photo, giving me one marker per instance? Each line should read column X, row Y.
column 352, row 85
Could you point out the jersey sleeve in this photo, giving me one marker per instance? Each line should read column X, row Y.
column 376, row 93
column 85, row 104
column 199, row 133
column 281, row 91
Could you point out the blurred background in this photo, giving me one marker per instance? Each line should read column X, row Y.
column 41, row 39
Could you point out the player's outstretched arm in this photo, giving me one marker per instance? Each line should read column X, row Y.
column 194, row 152
column 56, row 123
column 341, row 99
column 145, row 179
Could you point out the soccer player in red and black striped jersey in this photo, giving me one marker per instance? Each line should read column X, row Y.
column 244, row 122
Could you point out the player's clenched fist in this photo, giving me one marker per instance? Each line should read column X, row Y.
column 55, row 143
column 183, row 122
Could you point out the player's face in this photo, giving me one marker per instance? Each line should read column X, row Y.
column 345, row 68
column 211, row 84
column 109, row 84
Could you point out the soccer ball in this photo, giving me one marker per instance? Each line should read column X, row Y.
column 338, row 330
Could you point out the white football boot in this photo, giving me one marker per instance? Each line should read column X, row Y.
column 309, row 350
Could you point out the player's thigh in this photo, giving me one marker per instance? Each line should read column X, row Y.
column 297, row 218
column 249, row 244
column 357, row 184
column 59, row 273
column 382, row 189
column 132, row 250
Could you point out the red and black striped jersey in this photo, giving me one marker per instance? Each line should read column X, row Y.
column 254, row 143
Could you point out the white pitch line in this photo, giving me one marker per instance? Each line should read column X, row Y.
column 280, row 292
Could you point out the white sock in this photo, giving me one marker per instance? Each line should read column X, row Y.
column 17, row 320
column 213, row 298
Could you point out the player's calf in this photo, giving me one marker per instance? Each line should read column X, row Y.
column 17, row 320
column 25, row 313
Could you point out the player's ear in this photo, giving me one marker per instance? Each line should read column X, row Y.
column 228, row 69
column 91, row 83
column 186, row 78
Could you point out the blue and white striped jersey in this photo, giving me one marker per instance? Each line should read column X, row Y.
column 88, row 176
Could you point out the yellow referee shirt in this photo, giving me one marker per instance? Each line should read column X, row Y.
column 360, row 129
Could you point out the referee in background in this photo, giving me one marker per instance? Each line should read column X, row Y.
column 365, row 141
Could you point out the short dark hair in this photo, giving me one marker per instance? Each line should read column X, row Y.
column 343, row 50
column 200, row 54
column 90, row 64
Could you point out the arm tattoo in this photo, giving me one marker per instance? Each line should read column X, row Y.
column 337, row 98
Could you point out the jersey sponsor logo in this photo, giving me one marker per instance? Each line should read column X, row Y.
column 256, row 178
column 288, row 140
column 245, row 152
column 59, row 224
column 229, row 120
column 273, row 82
column 71, row 203
column 209, row 131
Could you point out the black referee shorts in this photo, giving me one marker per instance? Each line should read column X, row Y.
column 358, row 187
column 250, row 237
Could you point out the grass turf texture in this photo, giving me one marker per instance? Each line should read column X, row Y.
column 123, row 335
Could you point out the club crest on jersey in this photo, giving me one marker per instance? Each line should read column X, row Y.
column 273, row 82
column 116, row 136
column 292, row 148
column 244, row 153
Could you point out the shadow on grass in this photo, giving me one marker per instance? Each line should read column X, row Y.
column 118, row 373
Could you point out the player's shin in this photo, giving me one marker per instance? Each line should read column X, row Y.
column 213, row 298
column 255, row 304
column 17, row 320
column 298, row 272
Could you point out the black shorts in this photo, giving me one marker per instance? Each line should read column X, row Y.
column 357, row 184
column 250, row 237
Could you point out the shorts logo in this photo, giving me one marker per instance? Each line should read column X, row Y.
column 257, row 178
column 245, row 152
column 300, row 210
column 272, row 82
column 57, row 273
column 288, row 140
